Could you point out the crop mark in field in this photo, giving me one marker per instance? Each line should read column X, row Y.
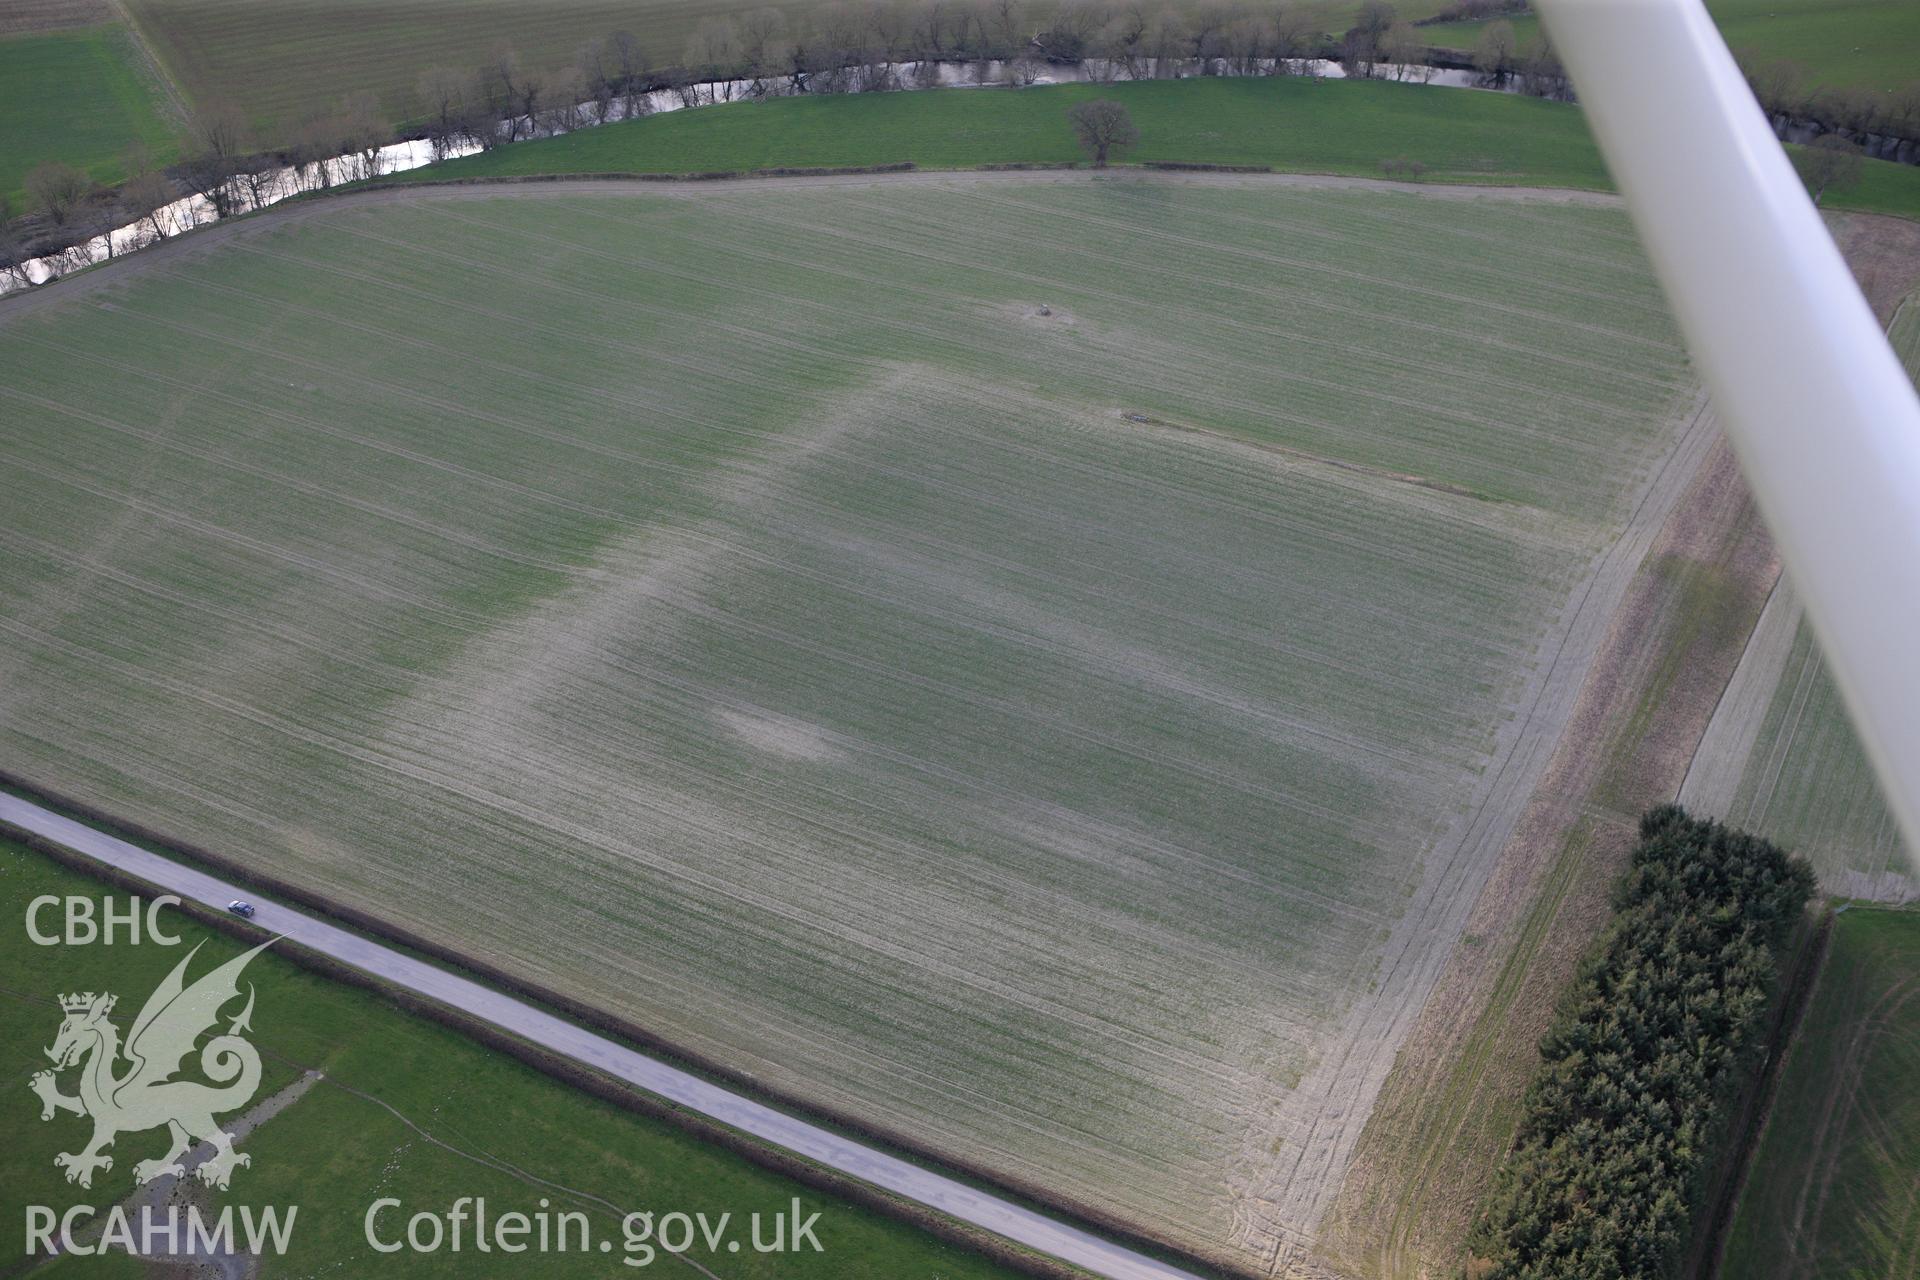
column 510, row 672
column 1311, row 459
column 781, row 735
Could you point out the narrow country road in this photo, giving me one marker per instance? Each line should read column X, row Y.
column 968, row 1204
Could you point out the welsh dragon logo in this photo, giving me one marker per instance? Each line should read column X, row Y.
column 145, row 1095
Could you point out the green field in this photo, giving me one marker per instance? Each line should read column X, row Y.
column 1287, row 124
column 1011, row 657
column 1835, row 1184
column 1866, row 43
column 77, row 96
column 407, row 1109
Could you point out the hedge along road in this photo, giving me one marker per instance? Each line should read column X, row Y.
column 969, row 1204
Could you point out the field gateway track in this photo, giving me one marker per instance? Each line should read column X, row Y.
column 1040, row 666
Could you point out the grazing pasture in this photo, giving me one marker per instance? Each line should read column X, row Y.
column 77, row 96
column 1835, row 1182
column 1033, row 663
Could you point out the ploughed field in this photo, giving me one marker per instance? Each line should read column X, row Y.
column 1014, row 661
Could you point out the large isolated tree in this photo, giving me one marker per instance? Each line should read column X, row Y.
column 1103, row 126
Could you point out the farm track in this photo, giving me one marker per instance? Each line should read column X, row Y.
column 1508, row 593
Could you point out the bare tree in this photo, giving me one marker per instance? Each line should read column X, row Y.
column 529, row 96
column 1243, row 44
column 1403, row 49
column 889, row 33
column 1205, row 28
column 1903, row 109
column 56, row 191
column 1493, row 55
column 933, row 22
column 566, row 93
column 362, row 132
column 1829, row 162
column 504, row 86
column 763, row 49
column 838, row 46
column 442, row 94
column 1359, row 54
column 1376, row 17
column 1022, row 72
column 315, row 143
column 630, row 63
column 879, row 44
column 1856, row 108
column 1102, row 126
column 1124, row 42
column 1541, row 74
column 713, row 54
column 146, row 194
column 1007, row 23
column 13, row 247
column 1168, row 42
column 597, row 77
column 1066, row 40
column 219, row 141
column 1293, row 31
column 1781, row 86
